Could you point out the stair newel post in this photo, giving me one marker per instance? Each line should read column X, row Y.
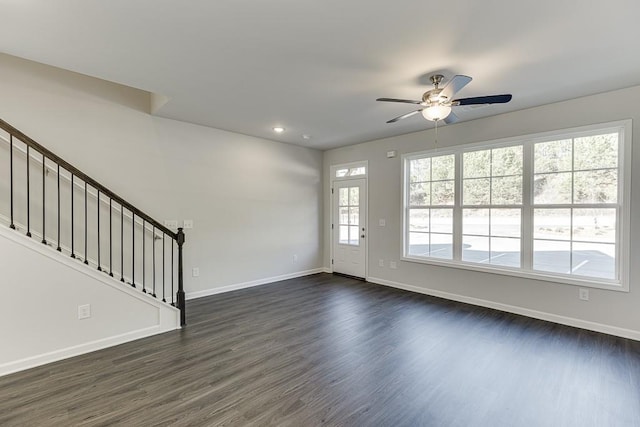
column 180, row 295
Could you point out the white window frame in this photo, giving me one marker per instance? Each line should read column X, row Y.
column 623, row 127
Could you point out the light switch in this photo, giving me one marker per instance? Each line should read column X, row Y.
column 382, row 222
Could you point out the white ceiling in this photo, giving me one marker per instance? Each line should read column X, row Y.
column 317, row 66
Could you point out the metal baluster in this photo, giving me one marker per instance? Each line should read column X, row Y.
column 121, row 243
column 133, row 249
column 59, row 248
column 73, row 255
column 164, row 256
column 110, row 237
column 154, row 261
column 98, row 205
column 44, row 239
column 28, row 198
column 86, row 238
column 11, row 225
column 144, row 256
column 180, row 297
column 172, row 273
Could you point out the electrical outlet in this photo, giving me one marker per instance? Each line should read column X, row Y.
column 171, row 224
column 393, row 265
column 84, row 311
column 381, row 262
column 382, row 222
column 187, row 224
column 295, row 259
column 583, row 294
column 195, row 272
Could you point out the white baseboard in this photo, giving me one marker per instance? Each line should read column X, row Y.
column 265, row 281
column 555, row 318
column 77, row 350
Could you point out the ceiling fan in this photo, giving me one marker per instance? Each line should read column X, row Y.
column 436, row 103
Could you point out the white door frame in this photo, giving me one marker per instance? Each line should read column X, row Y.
column 332, row 179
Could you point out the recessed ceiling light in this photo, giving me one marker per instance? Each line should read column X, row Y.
column 278, row 129
column 305, row 136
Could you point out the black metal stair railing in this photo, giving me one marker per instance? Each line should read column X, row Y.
column 65, row 233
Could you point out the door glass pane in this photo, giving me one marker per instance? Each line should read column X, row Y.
column 344, row 216
column 354, row 235
column 344, row 197
column 344, row 235
column 354, row 216
column 354, row 196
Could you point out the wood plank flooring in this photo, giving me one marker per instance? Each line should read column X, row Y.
column 329, row 350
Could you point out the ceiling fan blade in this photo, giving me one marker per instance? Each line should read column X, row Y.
column 406, row 101
column 492, row 99
column 404, row 116
column 451, row 118
column 454, row 85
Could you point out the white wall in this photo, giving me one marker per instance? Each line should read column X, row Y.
column 255, row 203
column 611, row 311
column 39, row 317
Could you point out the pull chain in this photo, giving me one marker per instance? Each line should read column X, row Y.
column 435, row 147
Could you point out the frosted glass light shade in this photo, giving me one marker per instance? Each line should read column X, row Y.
column 436, row 112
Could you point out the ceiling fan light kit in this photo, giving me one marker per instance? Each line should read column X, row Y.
column 437, row 103
column 436, row 112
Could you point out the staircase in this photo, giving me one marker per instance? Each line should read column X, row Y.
column 49, row 200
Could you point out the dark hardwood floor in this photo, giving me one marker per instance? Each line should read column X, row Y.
column 329, row 350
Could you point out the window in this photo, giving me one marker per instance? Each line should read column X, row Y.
column 575, row 205
column 551, row 206
column 431, row 199
column 492, row 206
column 348, row 172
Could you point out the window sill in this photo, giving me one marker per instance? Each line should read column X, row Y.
column 610, row 285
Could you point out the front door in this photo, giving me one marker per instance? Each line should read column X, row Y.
column 349, row 228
